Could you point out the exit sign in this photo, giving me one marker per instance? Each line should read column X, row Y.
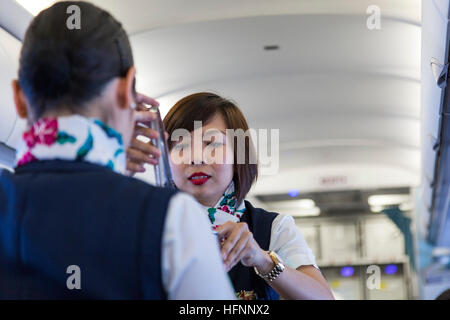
column 333, row 180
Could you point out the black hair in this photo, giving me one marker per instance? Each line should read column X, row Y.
column 62, row 67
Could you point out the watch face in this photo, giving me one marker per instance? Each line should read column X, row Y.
column 278, row 258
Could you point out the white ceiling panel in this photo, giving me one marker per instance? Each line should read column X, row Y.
column 143, row 15
column 339, row 93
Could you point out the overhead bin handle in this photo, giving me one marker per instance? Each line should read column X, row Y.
column 437, row 144
column 440, row 72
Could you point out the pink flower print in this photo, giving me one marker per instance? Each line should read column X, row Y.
column 27, row 158
column 28, row 137
column 44, row 131
column 225, row 209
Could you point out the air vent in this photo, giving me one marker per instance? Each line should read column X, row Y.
column 271, row 47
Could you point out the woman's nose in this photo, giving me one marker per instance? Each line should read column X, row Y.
column 197, row 161
column 200, row 162
column 197, row 155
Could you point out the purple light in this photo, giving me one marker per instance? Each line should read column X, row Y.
column 293, row 193
column 347, row 271
column 390, row 269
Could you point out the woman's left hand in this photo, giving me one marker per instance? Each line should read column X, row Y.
column 239, row 245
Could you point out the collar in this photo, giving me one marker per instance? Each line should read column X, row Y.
column 226, row 209
column 72, row 138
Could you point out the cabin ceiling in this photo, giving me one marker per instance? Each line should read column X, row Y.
column 340, row 94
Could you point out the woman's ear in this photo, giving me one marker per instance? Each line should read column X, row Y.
column 19, row 100
column 125, row 89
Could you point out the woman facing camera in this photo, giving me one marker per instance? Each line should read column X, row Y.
column 264, row 252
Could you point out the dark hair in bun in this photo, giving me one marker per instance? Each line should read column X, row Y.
column 64, row 68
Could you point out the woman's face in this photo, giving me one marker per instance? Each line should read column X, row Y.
column 207, row 166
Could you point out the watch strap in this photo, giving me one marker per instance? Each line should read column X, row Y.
column 275, row 272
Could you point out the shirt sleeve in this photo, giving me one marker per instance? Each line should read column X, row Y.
column 192, row 267
column 289, row 243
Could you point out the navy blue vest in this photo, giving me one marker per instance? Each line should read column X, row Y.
column 259, row 223
column 56, row 214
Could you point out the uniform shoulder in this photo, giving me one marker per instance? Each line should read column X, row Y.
column 262, row 211
column 144, row 186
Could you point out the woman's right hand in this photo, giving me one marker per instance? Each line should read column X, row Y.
column 139, row 153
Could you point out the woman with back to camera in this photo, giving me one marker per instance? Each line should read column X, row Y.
column 265, row 253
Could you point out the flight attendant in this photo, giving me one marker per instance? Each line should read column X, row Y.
column 265, row 253
column 72, row 224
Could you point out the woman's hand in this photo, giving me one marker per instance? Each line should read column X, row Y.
column 140, row 153
column 239, row 245
column 305, row 282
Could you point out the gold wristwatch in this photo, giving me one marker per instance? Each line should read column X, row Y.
column 276, row 271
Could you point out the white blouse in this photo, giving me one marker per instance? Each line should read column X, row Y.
column 191, row 264
column 289, row 243
column 192, row 267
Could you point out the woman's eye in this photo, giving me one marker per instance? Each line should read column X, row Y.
column 215, row 144
column 180, row 147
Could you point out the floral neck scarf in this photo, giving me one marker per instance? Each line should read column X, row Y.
column 74, row 138
column 226, row 208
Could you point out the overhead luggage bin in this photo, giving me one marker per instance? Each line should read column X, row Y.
column 426, row 192
column 14, row 21
column 434, row 44
column 9, row 53
column 434, row 80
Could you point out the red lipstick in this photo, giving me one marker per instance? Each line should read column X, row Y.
column 199, row 178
